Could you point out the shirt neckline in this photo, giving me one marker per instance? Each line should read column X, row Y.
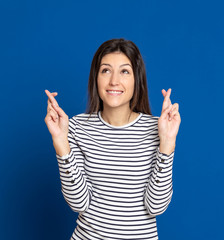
column 119, row 127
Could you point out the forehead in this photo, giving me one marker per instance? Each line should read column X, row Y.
column 115, row 58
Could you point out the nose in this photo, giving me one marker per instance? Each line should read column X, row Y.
column 114, row 79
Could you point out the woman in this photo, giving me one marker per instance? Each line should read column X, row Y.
column 115, row 161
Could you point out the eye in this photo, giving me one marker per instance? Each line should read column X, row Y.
column 125, row 71
column 105, row 70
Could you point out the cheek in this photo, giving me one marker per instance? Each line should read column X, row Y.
column 131, row 85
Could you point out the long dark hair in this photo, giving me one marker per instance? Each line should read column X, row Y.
column 139, row 101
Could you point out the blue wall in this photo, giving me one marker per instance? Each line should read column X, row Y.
column 50, row 44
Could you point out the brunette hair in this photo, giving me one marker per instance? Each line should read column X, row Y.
column 139, row 101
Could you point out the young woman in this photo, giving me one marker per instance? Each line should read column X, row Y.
column 115, row 161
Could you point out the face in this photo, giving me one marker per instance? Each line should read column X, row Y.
column 115, row 81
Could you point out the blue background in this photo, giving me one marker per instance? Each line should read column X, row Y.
column 50, row 44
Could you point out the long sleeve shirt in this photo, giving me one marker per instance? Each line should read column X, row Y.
column 116, row 178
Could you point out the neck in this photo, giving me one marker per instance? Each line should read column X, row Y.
column 118, row 117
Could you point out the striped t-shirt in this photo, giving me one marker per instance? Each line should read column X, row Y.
column 115, row 177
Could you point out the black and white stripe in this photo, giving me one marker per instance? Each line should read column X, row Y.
column 115, row 177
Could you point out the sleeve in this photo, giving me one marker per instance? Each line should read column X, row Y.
column 76, row 188
column 159, row 189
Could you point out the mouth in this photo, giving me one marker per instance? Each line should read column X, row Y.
column 114, row 92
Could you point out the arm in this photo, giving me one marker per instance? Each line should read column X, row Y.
column 76, row 188
column 159, row 190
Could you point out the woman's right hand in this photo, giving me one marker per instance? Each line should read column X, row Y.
column 56, row 119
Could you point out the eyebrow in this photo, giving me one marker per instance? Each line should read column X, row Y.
column 107, row 64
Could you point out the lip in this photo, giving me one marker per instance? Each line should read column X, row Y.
column 114, row 92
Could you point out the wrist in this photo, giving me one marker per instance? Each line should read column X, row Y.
column 61, row 146
column 167, row 147
column 60, row 139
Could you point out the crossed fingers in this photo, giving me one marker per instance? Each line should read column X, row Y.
column 52, row 104
column 168, row 108
column 174, row 111
column 51, row 98
column 167, row 101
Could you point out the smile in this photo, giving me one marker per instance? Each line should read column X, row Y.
column 114, row 92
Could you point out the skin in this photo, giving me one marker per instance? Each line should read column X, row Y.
column 168, row 124
column 115, row 74
column 57, row 122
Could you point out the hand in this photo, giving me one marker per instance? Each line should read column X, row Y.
column 169, row 121
column 56, row 119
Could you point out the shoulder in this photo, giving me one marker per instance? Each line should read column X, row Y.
column 82, row 119
column 149, row 118
column 148, row 122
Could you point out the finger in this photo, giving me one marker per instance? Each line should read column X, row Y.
column 50, row 108
column 52, row 116
column 166, row 101
column 164, row 92
column 176, row 106
column 56, row 109
column 173, row 114
column 164, row 95
column 166, row 111
column 54, row 94
column 49, row 101
column 168, row 93
column 60, row 112
column 51, row 98
column 176, row 116
column 165, row 105
column 175, row 110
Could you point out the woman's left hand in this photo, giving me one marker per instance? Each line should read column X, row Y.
column 169, row 121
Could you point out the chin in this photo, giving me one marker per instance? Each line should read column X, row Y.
column 116, row 105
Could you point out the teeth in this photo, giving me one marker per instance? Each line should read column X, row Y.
column 114, row 91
